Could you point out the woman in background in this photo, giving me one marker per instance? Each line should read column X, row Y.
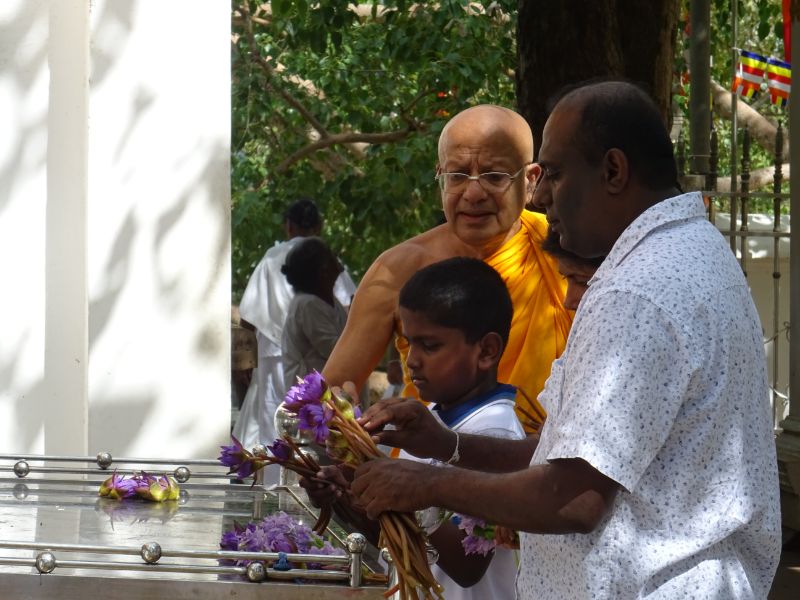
column 315, row 318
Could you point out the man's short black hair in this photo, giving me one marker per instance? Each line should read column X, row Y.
column 304, row 263
column 461, row 293
column 619, row 114
column 303, row 214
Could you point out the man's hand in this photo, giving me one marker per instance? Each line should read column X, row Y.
column 386, row 484
column 416, row 430
column 329, row 485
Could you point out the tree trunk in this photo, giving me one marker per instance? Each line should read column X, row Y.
column 563, row 43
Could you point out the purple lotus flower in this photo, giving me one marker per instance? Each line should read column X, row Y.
column 280, row 450
column 229, row 541
column 469, row 524
column 236, row 458
column 118, row 487
column 256, row 539
column 477, row 545
column 323, row 547
column 315, row 418
column 480, row 536
column 156, row 488
column 309, row 391
column 278, row 532
column 315, row 385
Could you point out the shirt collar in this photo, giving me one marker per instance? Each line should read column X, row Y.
column 672, row 210
column 454, row 414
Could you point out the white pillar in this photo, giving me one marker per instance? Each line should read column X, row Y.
column 65, row 336
column 114, row 226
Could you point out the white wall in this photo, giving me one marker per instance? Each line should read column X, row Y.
column 114, row 226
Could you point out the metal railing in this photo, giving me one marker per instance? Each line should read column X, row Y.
column 737, row 205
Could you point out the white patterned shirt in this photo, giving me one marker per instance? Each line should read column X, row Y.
column 662, row 388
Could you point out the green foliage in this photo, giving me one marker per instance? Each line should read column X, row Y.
column 396, row 67
column 760, row 30
column 401, row 67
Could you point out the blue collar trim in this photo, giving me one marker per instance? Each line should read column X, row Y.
column 451, row 416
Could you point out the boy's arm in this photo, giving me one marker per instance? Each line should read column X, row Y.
column 419, row 433
column 466, row 570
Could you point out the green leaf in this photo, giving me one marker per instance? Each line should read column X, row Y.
column 763, row 29
column 280, row 8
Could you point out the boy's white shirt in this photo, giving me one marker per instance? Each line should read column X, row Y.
column 496, row 419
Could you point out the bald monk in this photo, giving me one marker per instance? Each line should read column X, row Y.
column 486, row 177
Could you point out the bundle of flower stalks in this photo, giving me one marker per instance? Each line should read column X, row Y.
column 331, row 417
column 143, row 485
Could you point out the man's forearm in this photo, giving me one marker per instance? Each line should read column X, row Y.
column 491, row 455
column 565, row 497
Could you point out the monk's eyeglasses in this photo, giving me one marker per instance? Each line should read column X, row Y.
column 493, row 182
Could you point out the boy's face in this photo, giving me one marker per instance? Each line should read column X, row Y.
column 443, row 366
column 577, row 276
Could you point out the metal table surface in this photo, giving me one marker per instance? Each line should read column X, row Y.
column 61, row 512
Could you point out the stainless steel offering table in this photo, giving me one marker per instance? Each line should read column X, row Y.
column 60, row 539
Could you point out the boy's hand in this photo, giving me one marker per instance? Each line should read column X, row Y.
column 329, row 485
column 416, row 430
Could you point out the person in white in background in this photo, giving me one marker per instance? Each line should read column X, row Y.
column 264, row 305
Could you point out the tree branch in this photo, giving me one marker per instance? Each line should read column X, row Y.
column 759, row 178
column 761, row 128
column 256, row 57
column 353, row 141
column 342, row 139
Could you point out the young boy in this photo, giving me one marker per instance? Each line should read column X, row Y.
column 456, row 316
column 575, row 269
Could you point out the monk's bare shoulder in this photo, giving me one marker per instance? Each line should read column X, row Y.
column 397, row 264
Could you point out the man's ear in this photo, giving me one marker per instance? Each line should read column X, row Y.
column 616, row 170
column 532, row 173
column 491, row 349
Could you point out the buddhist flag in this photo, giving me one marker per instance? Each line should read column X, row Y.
column 779, row 80
column 749, row 73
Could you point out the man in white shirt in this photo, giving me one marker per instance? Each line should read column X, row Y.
column 655, row 473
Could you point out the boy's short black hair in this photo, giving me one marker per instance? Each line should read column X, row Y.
column 461, row 293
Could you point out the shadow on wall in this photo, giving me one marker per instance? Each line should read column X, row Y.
column 23, row 60
column 24, row 49
column 107, row 435
column 29, row 39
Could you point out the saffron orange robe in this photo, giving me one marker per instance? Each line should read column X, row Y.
column 540, row 324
